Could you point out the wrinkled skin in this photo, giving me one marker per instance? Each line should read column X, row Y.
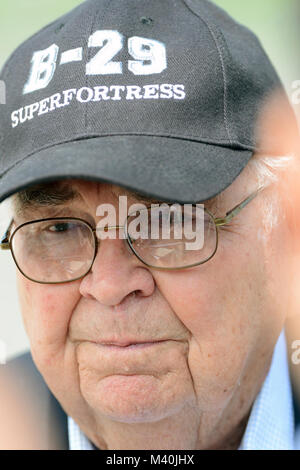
column 217, row 324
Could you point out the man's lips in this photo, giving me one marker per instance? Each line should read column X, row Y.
column 132, row 356
column 128, row 344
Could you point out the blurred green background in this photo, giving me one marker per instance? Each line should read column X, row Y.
column 274, row 21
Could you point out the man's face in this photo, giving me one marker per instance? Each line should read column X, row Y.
column 207, row 332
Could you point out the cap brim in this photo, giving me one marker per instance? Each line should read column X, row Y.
column 169, row 169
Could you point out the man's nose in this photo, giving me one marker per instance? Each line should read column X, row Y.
column 115, row 274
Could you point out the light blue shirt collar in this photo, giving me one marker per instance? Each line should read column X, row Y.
column 271, row 422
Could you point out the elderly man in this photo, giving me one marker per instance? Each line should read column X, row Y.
column 148, row 342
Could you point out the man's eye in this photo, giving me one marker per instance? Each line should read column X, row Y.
column 61, row 227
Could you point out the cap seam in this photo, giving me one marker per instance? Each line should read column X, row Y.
column 244, row 148
column 89, row 58
column 222, row 67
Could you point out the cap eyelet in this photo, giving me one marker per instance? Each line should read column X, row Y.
column 59, row 27
column 145, row 20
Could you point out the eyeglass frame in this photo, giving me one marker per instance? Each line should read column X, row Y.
column 5, row 243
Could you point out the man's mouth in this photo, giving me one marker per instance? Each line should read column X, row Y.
column 129, row 344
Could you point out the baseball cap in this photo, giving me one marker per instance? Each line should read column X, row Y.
column 158, row 96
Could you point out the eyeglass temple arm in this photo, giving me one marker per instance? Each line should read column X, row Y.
column 236, row 210
column 4, row 244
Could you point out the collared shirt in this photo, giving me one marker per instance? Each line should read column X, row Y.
column 77, row 439
column 271, row 422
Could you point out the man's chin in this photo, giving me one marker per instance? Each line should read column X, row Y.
column 144, row 383
column 132, row 398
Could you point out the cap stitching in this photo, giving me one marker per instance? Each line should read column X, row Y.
column 89, row 56
column 222, row 66
column 75, row 141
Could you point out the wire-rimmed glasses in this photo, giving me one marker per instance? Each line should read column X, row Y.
column 63, row 249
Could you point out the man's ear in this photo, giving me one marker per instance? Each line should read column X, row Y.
column 277, row 133
column 277, row 128
column 290, row 198
column 291, row 201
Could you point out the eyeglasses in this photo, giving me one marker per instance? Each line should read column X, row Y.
column 58, row 250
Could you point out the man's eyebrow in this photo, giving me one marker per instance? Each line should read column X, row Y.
column 210, row 203
column 143, row 199
column 44, row 195
column 54, row 194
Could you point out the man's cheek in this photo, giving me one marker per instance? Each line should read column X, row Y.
column 217, row 369
column 199, row 302
column 47, row 309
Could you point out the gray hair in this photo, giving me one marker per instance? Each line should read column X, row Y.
column 266, row 170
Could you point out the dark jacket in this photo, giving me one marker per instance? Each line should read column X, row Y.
column 52, row 420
